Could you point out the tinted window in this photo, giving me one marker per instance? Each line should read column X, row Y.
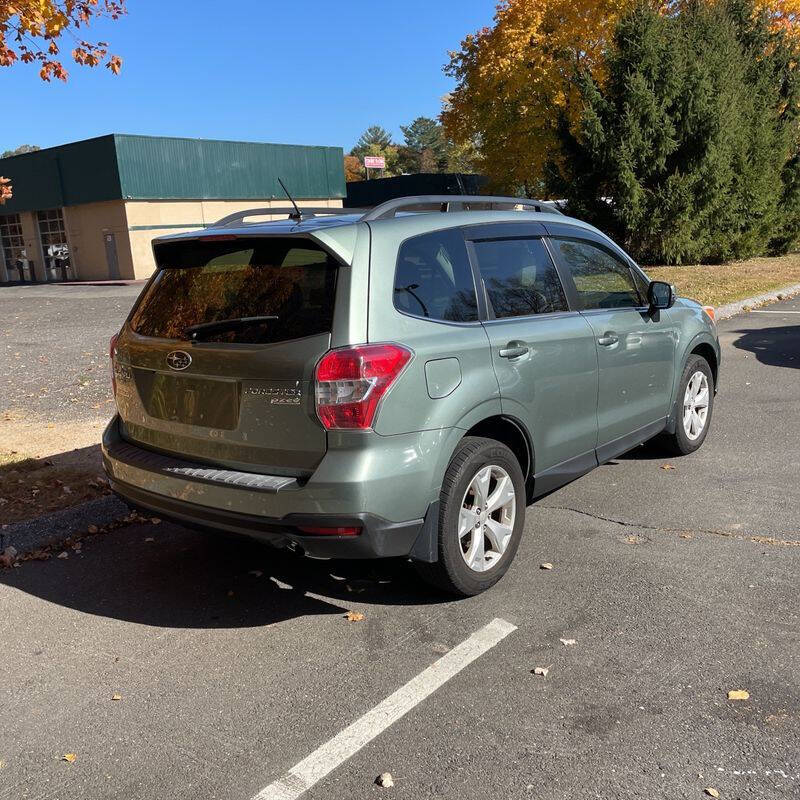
column 601, row 280
column 289, row 281
column 433, row 278
column 520, row 278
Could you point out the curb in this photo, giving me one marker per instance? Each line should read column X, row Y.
column 740, row 306
column 54, row 528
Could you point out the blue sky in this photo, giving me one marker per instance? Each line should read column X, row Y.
column 302, row 71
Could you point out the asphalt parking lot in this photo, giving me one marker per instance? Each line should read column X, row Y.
column 234, row 664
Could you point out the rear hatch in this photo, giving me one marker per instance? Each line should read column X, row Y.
column 216, row 363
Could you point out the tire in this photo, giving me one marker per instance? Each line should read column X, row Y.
column 686, row 439
column 479, row 467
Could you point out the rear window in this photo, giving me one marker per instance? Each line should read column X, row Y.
column 258, row 291
column 434, row 278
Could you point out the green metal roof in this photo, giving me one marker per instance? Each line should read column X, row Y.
column 120, row 166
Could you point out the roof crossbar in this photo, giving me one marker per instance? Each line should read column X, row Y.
column 462, row 202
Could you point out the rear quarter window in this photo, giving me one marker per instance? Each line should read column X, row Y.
column 433, row 278
column 287, row 285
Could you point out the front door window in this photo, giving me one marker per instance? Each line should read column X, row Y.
column 55, row 248
column 18, row 267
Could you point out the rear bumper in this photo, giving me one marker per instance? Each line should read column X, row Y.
column 272, row 512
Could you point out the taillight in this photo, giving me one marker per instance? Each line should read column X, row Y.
column 710, row 313
column 112, row 353
column 351, row 381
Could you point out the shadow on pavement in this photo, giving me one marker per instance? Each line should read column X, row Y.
column 775, row 347
column 189, row 579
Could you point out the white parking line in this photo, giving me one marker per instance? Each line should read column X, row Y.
column 301, row 777
column 774, row 312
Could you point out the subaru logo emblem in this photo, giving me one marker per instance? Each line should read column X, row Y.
column 178, row 360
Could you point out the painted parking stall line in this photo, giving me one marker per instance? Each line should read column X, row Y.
column 301, row 777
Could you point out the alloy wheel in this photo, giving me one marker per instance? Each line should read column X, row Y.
column 486, row 519
column 695, row 405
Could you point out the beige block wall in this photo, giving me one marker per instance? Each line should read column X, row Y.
column 148, row 219
column 87, row 226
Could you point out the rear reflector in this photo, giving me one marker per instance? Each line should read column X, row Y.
column 351, row 381
column 321, row 531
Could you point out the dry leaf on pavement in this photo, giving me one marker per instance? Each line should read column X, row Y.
column 385, row 780
column 69, row 757
column 354, row 616
column 116, row 696
column 65, row 554
column 738, row 694
column 667, row 466
column 711, row 791
column 92, row 529
column 568, row 642
column 546, row 565
column 542, row 671
column 8, row 556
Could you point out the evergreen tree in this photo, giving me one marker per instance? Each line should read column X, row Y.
column 686, row 151
column 426, row 138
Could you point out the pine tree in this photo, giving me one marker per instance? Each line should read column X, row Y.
column 685, row 152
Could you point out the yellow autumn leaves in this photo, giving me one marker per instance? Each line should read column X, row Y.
column 30, row 30
column 513, row 79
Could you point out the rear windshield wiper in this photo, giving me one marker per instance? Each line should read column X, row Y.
column 224, row 324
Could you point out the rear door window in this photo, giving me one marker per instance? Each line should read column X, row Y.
column 601, row 279
column 520, row 277
column 433, row 278
column 258, row 291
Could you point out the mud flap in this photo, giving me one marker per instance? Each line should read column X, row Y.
column 426, row 546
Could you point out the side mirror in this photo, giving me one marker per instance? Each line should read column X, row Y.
column 660, row 294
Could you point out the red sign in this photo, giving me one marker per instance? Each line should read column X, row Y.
column 374, row 162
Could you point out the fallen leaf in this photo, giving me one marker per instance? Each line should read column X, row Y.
column 155, row 520
column 546, row 565
column 542, row 671
column 711, row 791
column 738, row 694
column 116, row 696
column 667, row 466
column 149, row 539
column 92, row 529
column 687, row 535
column 354, row 616
column 568, row 642
column 65, row 554
column 69, row 757
column 385, row 780
column 8, row 556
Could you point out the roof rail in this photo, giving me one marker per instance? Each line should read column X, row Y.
column 456, row 202
column 305, row 213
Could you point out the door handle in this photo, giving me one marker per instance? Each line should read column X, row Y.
column 513, row 350
column 608, row 339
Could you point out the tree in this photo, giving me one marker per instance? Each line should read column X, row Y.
column 425, row 137
column 353, row 171
column 373, row 137
column 682, row 151
column 514, row 80
column 31, row 30
column 23, row 148
column 376, row 141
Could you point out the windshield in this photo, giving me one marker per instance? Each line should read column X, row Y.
column 260, row 290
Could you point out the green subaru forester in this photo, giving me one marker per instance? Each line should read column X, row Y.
column 397, row 382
